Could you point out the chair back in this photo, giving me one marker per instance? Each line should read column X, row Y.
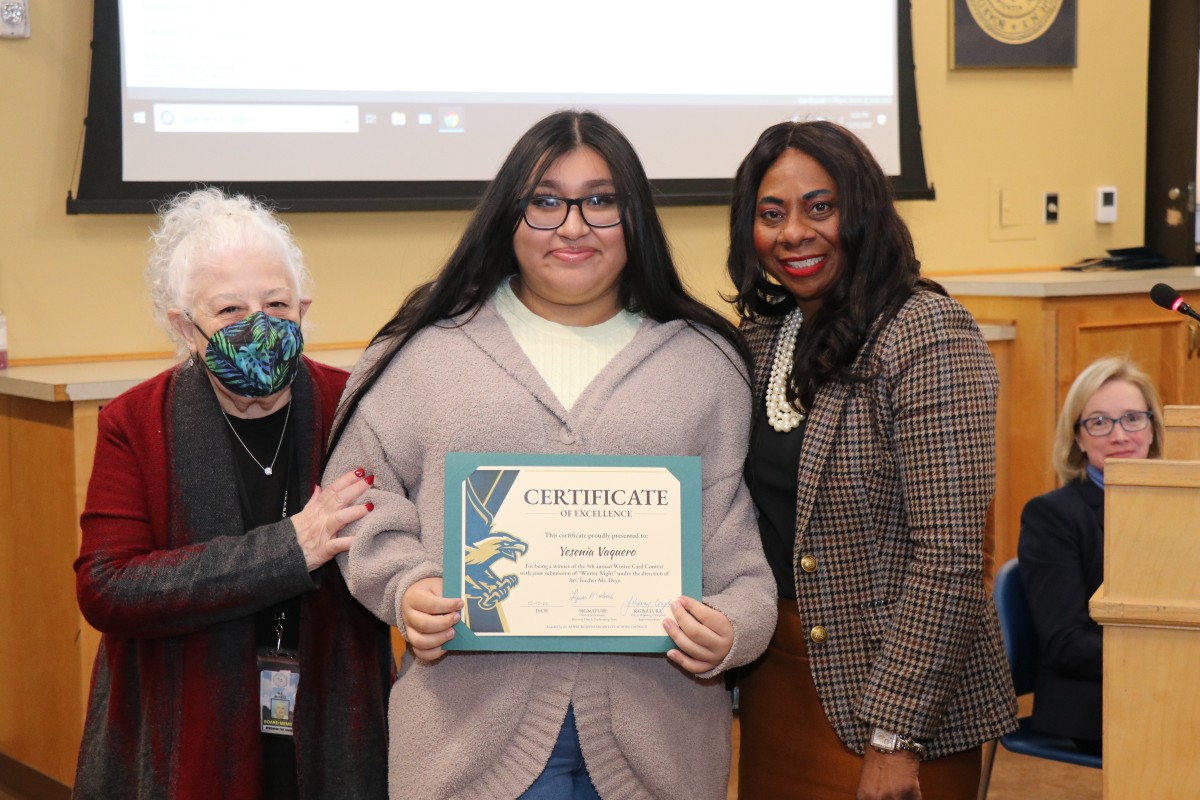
column 1016, row 624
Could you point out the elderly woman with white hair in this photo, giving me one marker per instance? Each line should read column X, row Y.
column 234, row 662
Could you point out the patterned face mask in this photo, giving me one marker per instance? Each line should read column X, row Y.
column 256, row 356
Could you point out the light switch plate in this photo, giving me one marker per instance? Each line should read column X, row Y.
column 1106, row 205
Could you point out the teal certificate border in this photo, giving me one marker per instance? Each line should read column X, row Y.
column 460, row 466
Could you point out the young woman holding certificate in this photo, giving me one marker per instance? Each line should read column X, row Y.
column 558, row 326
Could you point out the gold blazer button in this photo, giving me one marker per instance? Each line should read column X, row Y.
column 818, row 634
column 808, row 563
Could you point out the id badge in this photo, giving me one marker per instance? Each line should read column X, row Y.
column 279, row 677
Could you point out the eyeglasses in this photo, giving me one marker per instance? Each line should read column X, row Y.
column 547, row 213
column 1131, row 422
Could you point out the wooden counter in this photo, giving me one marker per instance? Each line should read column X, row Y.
column 1070, row 283
column 48, row 418
column 1064, row 320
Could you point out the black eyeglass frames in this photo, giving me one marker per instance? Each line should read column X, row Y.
column 546, row 212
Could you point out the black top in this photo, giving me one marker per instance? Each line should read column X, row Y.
column 1061, row 552
column 771, row 469
column 265, row 499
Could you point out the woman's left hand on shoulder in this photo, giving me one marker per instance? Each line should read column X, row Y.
column 889, row 776
column 702, row 634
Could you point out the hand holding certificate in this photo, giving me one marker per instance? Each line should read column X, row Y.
column 703, row 635
column 572, row 553
column 429, row 618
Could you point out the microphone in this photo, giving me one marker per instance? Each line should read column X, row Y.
column 1171, row 300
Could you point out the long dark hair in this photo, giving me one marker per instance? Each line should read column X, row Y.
column 879, row 272
column 484, row 257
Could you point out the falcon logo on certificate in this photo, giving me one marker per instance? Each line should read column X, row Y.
column 570, row 553
column 484, row 545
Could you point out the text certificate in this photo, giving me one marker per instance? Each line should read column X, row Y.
column 570, row 553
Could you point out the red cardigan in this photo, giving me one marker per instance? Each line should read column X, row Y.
column 168, row 573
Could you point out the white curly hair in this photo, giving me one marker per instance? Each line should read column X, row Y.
column 194, row 228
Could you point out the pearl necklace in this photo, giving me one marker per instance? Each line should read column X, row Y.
column 783, row 415
column 269, row 469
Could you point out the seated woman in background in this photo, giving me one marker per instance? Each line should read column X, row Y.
column 234, row 663
column 1112, row 411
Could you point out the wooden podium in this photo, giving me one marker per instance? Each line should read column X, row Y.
column 1182, row 440
column 1149, row 606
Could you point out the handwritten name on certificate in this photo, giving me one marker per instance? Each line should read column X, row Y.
column 569, row 553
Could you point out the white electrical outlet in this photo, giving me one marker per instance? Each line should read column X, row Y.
column 14, row 19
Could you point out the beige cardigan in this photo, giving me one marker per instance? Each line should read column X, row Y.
column 481, row 725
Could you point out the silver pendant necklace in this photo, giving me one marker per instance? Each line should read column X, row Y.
column 268, row 470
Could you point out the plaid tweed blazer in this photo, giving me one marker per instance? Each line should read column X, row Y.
column 894, row 483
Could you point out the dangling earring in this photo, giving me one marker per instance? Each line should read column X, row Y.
column 768, row 289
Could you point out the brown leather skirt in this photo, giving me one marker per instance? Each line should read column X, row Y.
column 790, row 750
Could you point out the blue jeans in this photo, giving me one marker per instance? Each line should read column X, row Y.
column 565, row 776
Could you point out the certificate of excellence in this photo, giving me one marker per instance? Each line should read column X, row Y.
column 569, row 553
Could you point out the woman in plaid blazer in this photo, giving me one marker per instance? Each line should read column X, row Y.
column 872, row 466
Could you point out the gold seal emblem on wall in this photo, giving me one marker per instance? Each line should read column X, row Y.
column 1014, row 21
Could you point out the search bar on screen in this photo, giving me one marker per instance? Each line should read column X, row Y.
column 243, row 118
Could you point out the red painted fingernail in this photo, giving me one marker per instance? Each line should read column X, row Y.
column 370, row 479
column 370, row 506
column 358, row 473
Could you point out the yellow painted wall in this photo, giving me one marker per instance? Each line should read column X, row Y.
column 72, row 286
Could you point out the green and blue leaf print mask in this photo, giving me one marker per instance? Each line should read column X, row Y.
column 255, row 356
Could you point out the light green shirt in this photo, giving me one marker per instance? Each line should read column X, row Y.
column 567, row 357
